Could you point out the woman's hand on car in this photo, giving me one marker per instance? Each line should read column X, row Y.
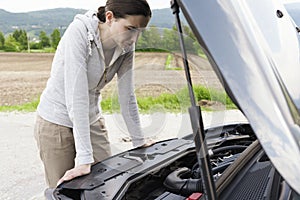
column 75, row 172
column 148, row 143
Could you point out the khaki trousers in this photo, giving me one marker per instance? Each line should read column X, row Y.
column 57, row 148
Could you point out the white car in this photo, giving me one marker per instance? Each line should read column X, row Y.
column 253, row 47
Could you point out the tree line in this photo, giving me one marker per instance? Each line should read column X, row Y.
column 151, row 39
column 19, row 41
column 164, row 39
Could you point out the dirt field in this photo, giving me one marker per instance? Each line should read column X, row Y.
column 23, row 75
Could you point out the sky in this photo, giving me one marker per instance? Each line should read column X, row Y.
column 17, row 6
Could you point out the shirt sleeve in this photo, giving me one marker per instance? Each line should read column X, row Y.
column 127, row 100
column 76, row 89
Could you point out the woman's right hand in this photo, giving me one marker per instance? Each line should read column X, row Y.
column 148, row 143
column 75, row 172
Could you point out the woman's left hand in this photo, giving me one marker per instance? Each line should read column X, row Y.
column 75, row 172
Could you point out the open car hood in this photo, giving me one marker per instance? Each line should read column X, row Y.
column 253, row 47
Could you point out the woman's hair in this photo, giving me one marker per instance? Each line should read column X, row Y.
column 120, row 8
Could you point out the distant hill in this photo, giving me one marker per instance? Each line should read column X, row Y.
column 48, row 20
column 34, row 22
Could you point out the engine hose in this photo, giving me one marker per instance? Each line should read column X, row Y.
column 176, row 183
column 227, row 148
column 221, row 168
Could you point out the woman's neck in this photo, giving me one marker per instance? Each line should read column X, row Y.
column 105, row 37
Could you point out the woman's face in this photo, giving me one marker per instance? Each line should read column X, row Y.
column 125, row 31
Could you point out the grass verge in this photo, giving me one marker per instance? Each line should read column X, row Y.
column 166, row 102
column 27, row 107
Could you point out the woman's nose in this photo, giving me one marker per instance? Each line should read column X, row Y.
column 135, row 36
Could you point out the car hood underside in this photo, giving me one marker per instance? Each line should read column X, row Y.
column 253, row 47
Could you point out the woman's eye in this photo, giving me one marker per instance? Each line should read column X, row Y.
column 131, row 29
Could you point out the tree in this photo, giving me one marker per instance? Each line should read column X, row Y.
column 55, row 38
column 190, row 41
column 23, row 40
column 171, row 40
column 11, row 44
column 2, row 40
column 150, row 38
column 21, row 37
column 44, row 40
column 16, row 34
column 34, row 45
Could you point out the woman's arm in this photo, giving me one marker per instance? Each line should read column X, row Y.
column 127, row 100
column 76, row 89
column 74, row 47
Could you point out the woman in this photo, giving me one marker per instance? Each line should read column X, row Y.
column 70, row 130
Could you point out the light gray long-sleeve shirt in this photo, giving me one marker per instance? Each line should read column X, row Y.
column 72, row 95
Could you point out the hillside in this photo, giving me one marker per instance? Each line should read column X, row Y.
column 48, row 20
column 34, row 22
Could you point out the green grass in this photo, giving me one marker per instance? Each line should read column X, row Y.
column 175, row 103
column 27, row 107
column 45, row 50
column 166, row 102
column 168, row 64
column 169, row 60
column 151, row 50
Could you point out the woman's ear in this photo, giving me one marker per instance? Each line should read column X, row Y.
column 109, row 15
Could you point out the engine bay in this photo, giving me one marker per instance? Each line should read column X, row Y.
column 170, row 170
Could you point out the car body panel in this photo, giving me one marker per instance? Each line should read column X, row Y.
column 253, row 47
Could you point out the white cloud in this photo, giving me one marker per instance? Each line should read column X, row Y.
column 32, row 5
column 290, row 1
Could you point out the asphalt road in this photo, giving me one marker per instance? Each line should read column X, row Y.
column 21, row 171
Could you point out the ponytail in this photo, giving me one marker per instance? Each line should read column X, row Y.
column 101, row 14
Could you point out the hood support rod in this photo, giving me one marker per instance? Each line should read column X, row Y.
column 196, row 119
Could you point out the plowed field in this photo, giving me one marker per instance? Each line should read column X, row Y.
column 23, row 76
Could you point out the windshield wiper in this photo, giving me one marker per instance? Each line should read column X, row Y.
column 196, row 119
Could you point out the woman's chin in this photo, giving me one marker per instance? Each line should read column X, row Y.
column 127, row 48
